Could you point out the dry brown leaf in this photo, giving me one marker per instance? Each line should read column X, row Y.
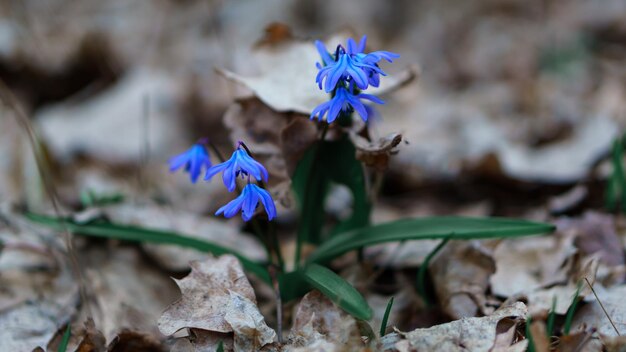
column 92, row 340
column 460, row 274
column 591, row 314
column 526, row 264
column 88, row 127
column 540, row 336
column 318, row 319
column 128, row 293
column 204, row 340
column 280, row 62
column 505, row 337
column 582, row 341
column 205, row 296
column 376, row 154
column 614, row 343
column 596, row 233
column 251, row 331
column 466, row 334
column 540, row 300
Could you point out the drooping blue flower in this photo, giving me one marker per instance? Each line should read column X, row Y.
column 240, row 163
column 247, row 203
column 194, row 159
column 344, row 100
column 351, row 64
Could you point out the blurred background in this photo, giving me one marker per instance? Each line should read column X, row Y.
column 516, row 101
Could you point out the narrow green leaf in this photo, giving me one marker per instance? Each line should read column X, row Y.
column 383, row 324
column 338, row 290
column 421, row 273
column 65, row 340
column 139, row 234
column 569, row 317
column 220, row 347
column 293, row 285
column 529, row 335
column 457, row 228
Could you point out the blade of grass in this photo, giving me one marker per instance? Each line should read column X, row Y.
column 529, row 335
column 383, row 324
column 571, row 310
column 139, row 234
column 421, row 273
column 65, row 340
column 426, row 228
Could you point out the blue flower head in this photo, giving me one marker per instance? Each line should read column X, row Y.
column 247, row 203
column 351, row 64
column 240, row 163
column 194, row 159
column 345, row 101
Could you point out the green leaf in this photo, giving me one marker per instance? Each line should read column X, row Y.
column 338, row 290
column 293, row 285
column 551, row 318
column 421, row 273
column 457, row 228
column 569, row 316
column 383, row 324
column 324, row 163
column 65, row 340
column 139, row 234
column 529, row 335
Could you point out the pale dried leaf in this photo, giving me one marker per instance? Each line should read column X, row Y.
column 466, row 334
column 526, row 264
column 316, row 318
column 251, row 331
column 128, row 293
column 376, row 154
column 591, row 314
column 279, row 63
column 205, row 296
column 461, row 274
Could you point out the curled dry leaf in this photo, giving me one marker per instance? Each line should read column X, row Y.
column 460, row 273
column 280, row 61
column 251, row 331
column 318, row 319
column 466, row 334
column 206, row 296
column 505, row 338
column 526, row 264
column 376, row 154
column 583, row 341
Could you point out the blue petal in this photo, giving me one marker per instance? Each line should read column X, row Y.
column 268, row 203
column 214, row 170
column 321, row 49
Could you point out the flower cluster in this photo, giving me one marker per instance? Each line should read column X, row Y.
column 240, row 164
column 346, row 73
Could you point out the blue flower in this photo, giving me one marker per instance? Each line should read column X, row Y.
column 344, row 101
column 194, row 159
column 247, row 203
column 351, row 65
column 240, row 163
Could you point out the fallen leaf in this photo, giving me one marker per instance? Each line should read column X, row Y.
column 593, row 316
column 376, row 154
column 88, row 127
column 317, row 318
column 128, row 293
column 466, row 334
column 279, row 62
column 206, row 296
column 460, row 274
column 583, row 341
column 526, row 264
column 596, row 233
column 251, row 331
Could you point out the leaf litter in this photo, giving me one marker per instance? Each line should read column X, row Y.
column 475, row 114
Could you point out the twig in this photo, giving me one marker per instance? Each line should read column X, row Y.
column 602, row 306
